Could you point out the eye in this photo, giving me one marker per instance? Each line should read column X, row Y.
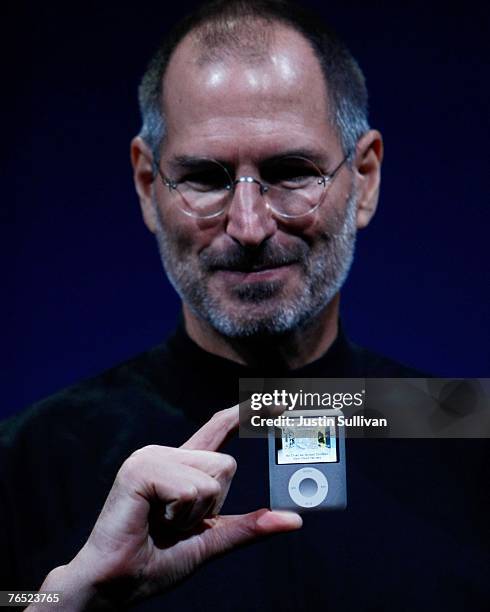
column 290, row 173
column 209, row 178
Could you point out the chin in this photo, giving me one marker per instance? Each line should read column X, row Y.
column 259, row 321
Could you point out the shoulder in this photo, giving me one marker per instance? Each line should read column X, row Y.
column 95, row 408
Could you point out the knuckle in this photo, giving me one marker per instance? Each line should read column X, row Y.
column 144, row 450
column 188, row 493
column 222, row 416
column 132, row 468
column 139, row 462
column 217, row 417
column 213, row 488
column 229, row 465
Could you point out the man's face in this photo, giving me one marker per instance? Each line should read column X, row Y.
column 248, row 271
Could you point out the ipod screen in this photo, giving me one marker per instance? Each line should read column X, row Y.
column 306, row 444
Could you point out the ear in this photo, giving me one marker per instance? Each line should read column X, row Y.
column 141, row 159
column 367, row 166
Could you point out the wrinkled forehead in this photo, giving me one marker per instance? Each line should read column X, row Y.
column 275, row 70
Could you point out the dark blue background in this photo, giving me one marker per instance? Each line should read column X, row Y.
column 83, row 285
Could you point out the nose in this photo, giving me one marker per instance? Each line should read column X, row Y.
column 249, row 218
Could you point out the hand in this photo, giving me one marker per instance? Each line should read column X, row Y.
column 160, row 520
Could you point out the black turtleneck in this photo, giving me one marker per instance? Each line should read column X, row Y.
column 201, row 383
column 414, row 535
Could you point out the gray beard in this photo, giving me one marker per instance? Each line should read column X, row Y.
column 324, row 272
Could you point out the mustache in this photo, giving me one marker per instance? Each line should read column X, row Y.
column 245, row 259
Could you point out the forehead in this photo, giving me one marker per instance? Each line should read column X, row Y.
column 268, row 100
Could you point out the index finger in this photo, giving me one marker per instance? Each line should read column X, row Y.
column 215, row 432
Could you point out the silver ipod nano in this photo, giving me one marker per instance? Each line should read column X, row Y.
column 307, row 461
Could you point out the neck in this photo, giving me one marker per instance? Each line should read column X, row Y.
column 292, row 350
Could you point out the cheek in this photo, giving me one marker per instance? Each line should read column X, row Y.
column 331, row 216
column 311, row 228
column 187, row 235
column 327, row 219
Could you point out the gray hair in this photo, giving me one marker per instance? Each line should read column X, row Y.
column 232, row 25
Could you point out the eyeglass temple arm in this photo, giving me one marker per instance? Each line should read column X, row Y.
column 332, row 174
column 167, row 181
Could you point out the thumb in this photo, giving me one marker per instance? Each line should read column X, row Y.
column 225, row 533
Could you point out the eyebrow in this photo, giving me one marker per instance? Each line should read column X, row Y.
column 190, row 161
column 314, row 155
column 195, row 161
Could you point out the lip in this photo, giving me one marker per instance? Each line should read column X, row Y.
column 250, row 276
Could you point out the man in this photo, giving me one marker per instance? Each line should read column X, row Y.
column 254, row 169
